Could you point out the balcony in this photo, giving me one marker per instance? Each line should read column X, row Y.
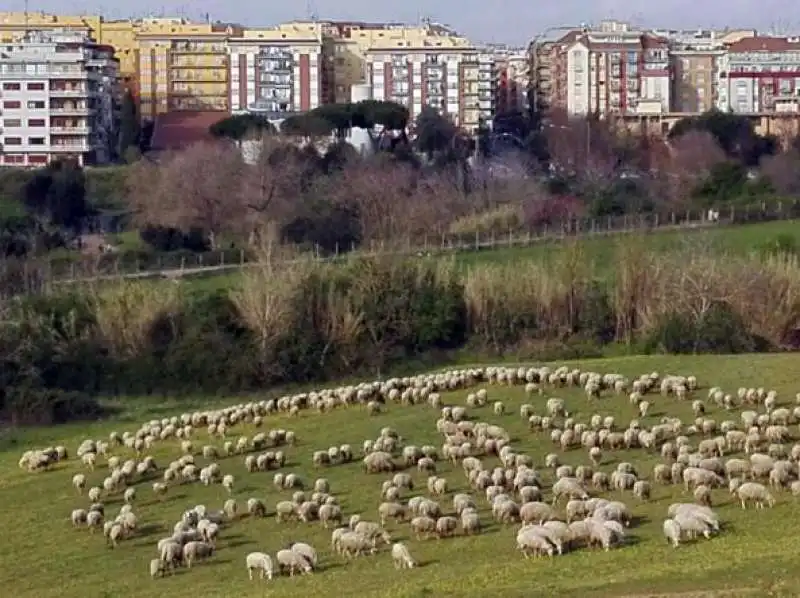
column 194, row 48
column 201, row 75
column 76, row 92
column 71, row 148
column 199, row 93
column 70, row 110
column 182, row 62
column 55, row 130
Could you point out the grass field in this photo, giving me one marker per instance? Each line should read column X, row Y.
column 42, row 556
column 736, row 240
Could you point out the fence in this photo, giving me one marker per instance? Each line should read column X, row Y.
column 146, row 264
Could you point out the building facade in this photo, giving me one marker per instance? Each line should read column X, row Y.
column 453, row 77
column 763, row 73
column 279, row 71
column 59, row 99
column 512, row 81
column 611, row 71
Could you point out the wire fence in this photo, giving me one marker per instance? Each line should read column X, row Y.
column 143, row 264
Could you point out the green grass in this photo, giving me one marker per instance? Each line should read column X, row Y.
column 42, row 556
column 736, row 240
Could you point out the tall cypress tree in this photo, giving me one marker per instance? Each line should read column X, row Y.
column 129, row 130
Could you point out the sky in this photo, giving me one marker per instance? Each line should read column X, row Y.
column 496, row 21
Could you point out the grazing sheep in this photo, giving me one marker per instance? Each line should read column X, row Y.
column 672, row 532
column 755, row 493
column 402, row 557
column 196, row 551
column 307, row 552
column 292, row 561
column 79, row 481
column 261, row 562
column 157, row 568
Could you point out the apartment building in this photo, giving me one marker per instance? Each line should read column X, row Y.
column 612, row 70
column 442, row 71
column 512, row 80
column 699, row 67
column 763, row 74
column 280, row 70
column 58, row 92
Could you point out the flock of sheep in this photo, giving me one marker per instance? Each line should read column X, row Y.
column 557, row 507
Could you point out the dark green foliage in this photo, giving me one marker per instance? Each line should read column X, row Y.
column 717, row 330
column 130, row 133
column 240, row 126
column 167, row 238
column 734, row 134
column 56, row 197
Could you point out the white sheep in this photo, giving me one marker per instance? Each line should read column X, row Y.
column 227, row 483
column 129, row 495
column 261, row 562
column 402, row 557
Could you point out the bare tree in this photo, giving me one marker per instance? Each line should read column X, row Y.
column 194, row 188
column 583, row 147
column 783, row 171
column 272, row 183
column 689, row 161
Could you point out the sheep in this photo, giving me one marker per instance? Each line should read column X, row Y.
column 78, row 517
column 227, row 483
column 157, row 568
column 79, row 482
column 292, row 561
column 351, row 544
column 423, row 525
column 307, row 552
column 402, row 557
column 256, row 507
column 755, row 493
column 529, row 541
column 672, row 532
column 392, row 510
column 261, row 562
column 171, row 553
column 129, row 495
column 196, row 550
column 642, row 490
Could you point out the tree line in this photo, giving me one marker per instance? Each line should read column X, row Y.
column 316, row 190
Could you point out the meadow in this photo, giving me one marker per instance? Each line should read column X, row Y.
column 601, row 250
column 43, row 556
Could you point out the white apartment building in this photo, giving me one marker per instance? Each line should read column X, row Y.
column 276, row 71
column 58, row 95
column 458, row 81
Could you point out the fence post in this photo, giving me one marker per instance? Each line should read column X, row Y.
column 241, row 256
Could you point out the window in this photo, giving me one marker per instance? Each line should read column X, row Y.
column 37, row 159
column 36, row 105
column 35, row 86
column 12, row 141
column 12, row 104
column 35, row 140
column 14, row 159
column 11, row 87
column 36, row 122
column 11, row 123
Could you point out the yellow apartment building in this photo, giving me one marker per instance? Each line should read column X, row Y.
column 14, row 24
column 182, row 66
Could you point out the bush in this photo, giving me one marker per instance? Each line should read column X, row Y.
column 304, row 321
column 718, row 330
